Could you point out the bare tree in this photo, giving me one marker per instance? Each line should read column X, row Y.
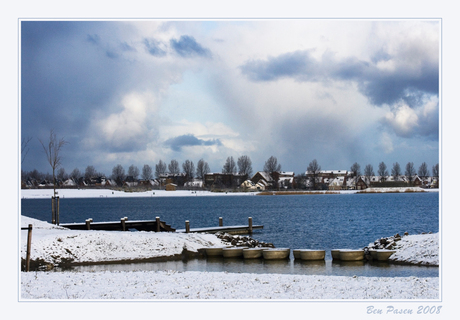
column 314, row 169
column 118, row 174
column 147, row 172
column 229, row 166
column 133, row 171
column 245, row 165
column 383, row 172
column 61, row 174
column 202, row 168
column 173, row 167
column 75, row 174
column 300, row 180
column 52, row 150
column 423, row 170
column 410, row 172
column 355, row 169
column 271, row 165
column 435, row 170
column 24, row 148
column 189, row 169
column 160, row 169
column 90, row 172
column 369, row 172
column 396, row 171
column 436, row 173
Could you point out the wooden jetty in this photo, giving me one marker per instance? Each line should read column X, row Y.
column 243, row 229
column 122, row 225
column 158, row 226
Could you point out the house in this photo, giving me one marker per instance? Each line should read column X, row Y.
column 338, row 183
column 361, row 183
column 171, row 187
column 194, row 183
column 178, row 179
column 248, row 185
column 284, row 179
column 224, row 180
column 263, row 178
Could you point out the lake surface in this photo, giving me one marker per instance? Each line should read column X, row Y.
column 335, row 221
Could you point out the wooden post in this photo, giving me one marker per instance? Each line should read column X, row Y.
column 57, row 211
column 250, row 224
column 29, row 245
column 221, row 222
column 88, row 223
column 53, row 218
column 123, row 223
column 157, row 224
column 187, row 226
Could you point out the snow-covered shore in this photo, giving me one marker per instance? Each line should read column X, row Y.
column 56, row 244
column 108, row 193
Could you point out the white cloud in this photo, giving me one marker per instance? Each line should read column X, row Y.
column 132, row 124
column 403, row 120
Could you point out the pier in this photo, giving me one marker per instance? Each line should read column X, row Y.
column 159, row 226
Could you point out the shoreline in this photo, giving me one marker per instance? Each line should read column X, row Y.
column 109, row 193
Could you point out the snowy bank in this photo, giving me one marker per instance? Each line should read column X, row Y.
column 108, row 193
column 56, row 245
column 420, row 249
column 219, row 285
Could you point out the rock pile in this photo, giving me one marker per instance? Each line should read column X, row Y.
column 243, row 241
column 386, row 243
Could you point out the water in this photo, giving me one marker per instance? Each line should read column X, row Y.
column 325, row 222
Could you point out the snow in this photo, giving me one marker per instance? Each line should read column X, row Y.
column 108, row 193
column 170, row 285
column 55, row 244
column 418, row 249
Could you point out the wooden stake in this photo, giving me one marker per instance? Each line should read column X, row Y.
column 88, row 223
column 221, row 222
column 250, row 224
column 123, row 223
column 157, row 224
column 187, row 226
column 53, row 218
column 57, row 211
column 29, row 245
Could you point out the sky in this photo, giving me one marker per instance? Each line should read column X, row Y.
column 135, row 91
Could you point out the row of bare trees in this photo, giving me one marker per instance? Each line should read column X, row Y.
column 423, row 172
column 52, row 149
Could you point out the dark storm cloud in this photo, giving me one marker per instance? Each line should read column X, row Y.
column 379, row 86
column 190, row 140
column 187, row 46
column 67, row 72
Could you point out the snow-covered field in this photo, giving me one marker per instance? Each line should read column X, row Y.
column 53, row 244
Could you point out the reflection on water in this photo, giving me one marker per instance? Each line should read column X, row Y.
column 288, row 266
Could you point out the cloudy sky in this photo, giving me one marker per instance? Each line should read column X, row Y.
column 137, row 91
